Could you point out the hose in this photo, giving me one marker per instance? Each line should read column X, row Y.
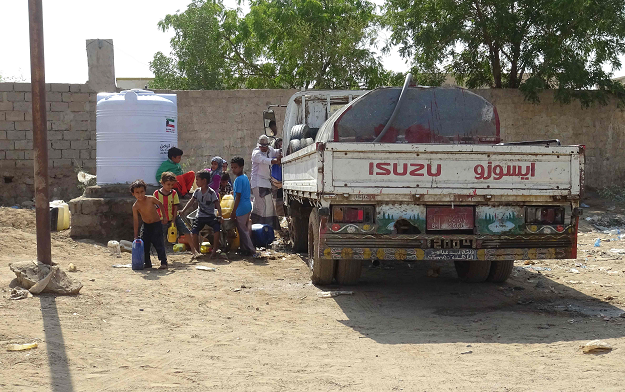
column 396, row 110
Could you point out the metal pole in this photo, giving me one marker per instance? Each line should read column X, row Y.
column 40, row 131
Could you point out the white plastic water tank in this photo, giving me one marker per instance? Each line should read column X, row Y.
column 134, row 130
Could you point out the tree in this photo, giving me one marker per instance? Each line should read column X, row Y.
column 278, row 44
column 528, row 44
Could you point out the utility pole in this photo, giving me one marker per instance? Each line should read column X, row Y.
column 40, row 131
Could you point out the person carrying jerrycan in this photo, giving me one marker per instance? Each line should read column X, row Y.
column 145, row 206
column 169, row 197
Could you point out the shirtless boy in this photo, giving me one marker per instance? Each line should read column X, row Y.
column 152, row 226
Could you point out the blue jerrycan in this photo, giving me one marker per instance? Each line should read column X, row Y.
column 138, row 257
column 262, row 235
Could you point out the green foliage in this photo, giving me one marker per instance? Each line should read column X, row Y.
column 278, row 44
column 528, row 44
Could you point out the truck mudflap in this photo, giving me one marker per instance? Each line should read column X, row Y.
column 417, row 254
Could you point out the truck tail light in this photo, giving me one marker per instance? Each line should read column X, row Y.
column 352, row 214
column 544, row 215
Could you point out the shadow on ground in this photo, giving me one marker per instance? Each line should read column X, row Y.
column 61, row 378
column 401, row 305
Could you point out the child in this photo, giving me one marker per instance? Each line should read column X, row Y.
column 242, row 205
column 225, row 170
column 224, row 186
column 152, row 226
column 216, row 172
column 207, row 200
column 169, row 198
column 184, row 181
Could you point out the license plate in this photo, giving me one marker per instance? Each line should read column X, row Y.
column 447, row 218
column 450, row 254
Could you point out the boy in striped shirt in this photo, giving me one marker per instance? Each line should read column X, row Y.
column 169, row 197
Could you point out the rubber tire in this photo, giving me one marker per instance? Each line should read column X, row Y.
column 299, row 131
column 322, row 269
column 472, row 270
column 298, row 230
column 348, row 272
column 500, row 270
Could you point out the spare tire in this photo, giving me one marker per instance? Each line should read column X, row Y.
column 294, row 145
column 312, row 133
column 299, row 131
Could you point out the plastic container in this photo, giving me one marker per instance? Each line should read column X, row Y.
column 180, row 248
column 184, row 239
column 226, row 203
column 115, row 248
column 59, row 215
column 126, row 246
column 205, row 247
column 172, row 233
column 134, row 130
column 235, row 243
column 262, row 235
column 138, row 257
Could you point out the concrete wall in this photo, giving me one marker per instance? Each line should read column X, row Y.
column 223, row 123
column 71, row 139
column 600, row 128
column 228, row 123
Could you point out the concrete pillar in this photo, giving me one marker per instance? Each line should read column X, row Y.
column 101, row 65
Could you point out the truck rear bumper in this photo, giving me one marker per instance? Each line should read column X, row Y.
column 426, row 247
column 412, row 254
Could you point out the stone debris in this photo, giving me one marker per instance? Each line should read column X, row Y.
column 19, row 293
column 42, row 278
column 596, row 347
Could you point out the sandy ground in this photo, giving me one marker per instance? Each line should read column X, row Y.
column 260, row 325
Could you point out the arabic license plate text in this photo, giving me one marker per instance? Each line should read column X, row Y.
column 451, row 254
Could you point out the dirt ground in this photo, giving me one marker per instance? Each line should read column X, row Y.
column 259, row 325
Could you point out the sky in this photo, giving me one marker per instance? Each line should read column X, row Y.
column 132, row 24
column 67, row 24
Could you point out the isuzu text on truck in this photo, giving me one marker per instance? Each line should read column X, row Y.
column 418, row 174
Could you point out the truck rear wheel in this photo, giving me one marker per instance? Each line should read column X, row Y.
column 472, row 270
column 298, row 229
column 500, row 270
column 348, row 272
column 322, row 269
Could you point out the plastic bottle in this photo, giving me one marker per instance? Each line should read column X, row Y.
column 114, row 248
column 598, row 242
column 138, row 257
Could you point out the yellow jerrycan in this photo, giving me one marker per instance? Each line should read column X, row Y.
column 172, row 233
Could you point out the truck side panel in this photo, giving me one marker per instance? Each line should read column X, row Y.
column 300, row 171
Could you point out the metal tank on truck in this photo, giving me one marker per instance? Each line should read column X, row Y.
column 134, row 130
column 417, row 173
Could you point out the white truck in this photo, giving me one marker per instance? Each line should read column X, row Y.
column 417, row 174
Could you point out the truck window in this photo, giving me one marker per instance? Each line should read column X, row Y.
column 427, row 115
